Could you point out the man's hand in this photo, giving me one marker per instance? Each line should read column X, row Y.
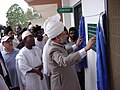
column 79, row 41
column 39, row 68
column 90, row 43
column 40, row 74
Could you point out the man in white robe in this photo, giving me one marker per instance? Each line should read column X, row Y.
column 29, row 61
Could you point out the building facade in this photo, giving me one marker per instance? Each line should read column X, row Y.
column 90, row 10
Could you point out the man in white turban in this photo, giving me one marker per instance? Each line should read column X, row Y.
column 48, row 26
column 60, row 60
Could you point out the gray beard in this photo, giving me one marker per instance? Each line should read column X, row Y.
column 64, row 42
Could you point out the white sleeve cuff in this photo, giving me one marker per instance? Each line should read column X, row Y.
column 82, row 53
column 25, row 72
column 74, row 47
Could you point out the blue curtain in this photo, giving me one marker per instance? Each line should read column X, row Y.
column 82, row 64
column 102, row 74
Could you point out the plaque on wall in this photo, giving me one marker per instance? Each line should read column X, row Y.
column 92, row 28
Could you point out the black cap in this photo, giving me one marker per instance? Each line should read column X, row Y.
column 7, row 30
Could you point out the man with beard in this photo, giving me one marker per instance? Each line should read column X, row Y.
column 38, row 37
column 72, row 35
column 9, row 32
column 29, row 65
column 19, row 37
column 61, row 60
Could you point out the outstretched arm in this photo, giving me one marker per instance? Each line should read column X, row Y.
column 90, row 43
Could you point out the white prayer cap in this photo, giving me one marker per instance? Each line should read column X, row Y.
column 4, row 39
column 53, row 27
column 25, row 34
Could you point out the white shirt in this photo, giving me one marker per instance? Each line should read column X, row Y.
column 39, row 44
column 28, row 59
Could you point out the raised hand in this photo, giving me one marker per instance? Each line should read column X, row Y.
column 79, row 41
column 90, row 43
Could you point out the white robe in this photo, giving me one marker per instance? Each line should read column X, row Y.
column 39, row 44
column 46, row 69
column 26, row 60
column 3, row 85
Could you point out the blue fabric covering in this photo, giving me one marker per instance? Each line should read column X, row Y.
column 81, row 32
column 102, row 74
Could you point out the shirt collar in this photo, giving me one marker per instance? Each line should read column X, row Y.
column 57, row 44
column 8, row 52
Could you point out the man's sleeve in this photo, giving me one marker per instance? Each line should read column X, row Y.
column 69, row 60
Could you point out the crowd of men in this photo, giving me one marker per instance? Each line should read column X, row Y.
column 41, row 58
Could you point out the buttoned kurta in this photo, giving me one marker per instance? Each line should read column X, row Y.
column 63, row 74
column 28, row 59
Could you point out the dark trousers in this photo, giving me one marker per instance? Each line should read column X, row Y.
column 48, row 82
column 81, row 77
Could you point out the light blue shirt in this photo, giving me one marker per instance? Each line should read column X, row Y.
column 10, row 61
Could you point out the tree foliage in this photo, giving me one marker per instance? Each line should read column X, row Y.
column 16, row 16
column 30, row 15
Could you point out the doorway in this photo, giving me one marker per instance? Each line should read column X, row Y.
column 77, row 8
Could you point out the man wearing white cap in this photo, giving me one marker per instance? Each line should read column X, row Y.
column 60, row 60
column 9, row 54
column 29, row 61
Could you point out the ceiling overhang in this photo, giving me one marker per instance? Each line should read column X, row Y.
column 41, row 2
column 46, row 10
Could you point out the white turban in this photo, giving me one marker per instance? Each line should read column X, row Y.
column 53, row 27
column 55, row 18
column 25, row 34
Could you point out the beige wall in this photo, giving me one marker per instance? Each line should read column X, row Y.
column 114, row 43
column 46, row 8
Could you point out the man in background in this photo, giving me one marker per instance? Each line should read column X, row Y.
column 9, row 54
